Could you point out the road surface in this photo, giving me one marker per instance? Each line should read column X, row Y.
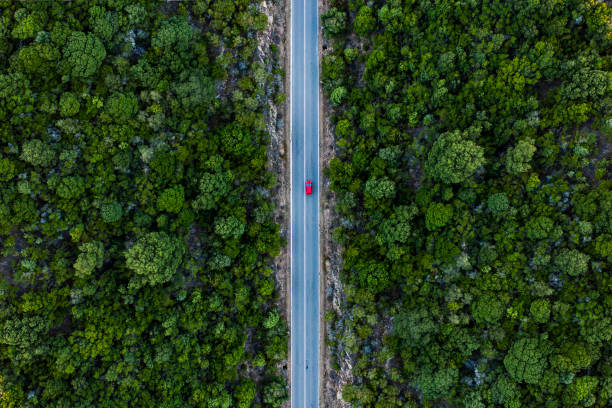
column 304, row 209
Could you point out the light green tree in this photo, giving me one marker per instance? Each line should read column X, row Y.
column 90, row 258
column 438, row 215
column 518, row 157
column 229, row 227
column 171, row 199
column 572, row 262
column 111, row 212
column 173, row 32
column 333, row 22
column 36, row 153
column 69, row 104
column 453, row 159
column 498, row 203
column 154, row 258
column 83, row 54
column 526, row 360
column 380, row 188
column 437, row 384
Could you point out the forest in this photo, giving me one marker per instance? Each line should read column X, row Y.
column 136, row 215
column 474, row 201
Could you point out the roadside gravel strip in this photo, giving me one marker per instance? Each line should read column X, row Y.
column 305, row 251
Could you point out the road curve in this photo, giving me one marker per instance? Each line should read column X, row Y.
column 305, row 310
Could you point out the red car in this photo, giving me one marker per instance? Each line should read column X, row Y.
column 308, row 187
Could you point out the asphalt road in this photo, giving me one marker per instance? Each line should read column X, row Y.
column 304, row 209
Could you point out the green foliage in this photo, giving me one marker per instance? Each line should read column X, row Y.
column 83, row 54
column 540, row 310
column 104, row 23
column 505, row 391
column 581, row 392
column 90, row 258
column 488, row 309
column 437, row 384
column 379, row 188
column 572, row 262
column 438, row 215
column 526, row 360
column 496, row 130
column 518, row 157
column 136, row 220
column 29, row 23
column 173, row 32
column 171, row 199
column 154, row 258
column 365, row 21
column 498, row 203
column 111, row 212
column 539, row 228
column 333, row 22
column 275, row 392
column 229, row 227
column 36, row 153
column 453, row 159
column 69, row 104
column 121, row 107
column 71, row 187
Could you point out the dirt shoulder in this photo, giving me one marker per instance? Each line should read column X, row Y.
column 278, row 127
column 333, row 377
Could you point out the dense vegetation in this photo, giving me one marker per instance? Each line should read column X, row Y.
column 136, row 220
column 474, row 201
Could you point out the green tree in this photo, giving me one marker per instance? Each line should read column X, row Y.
column 365, row 21
column 333, row 22
column 171, row 199
column 28, row 23
column 154, row 258
column 572, row 262
column 245, row 393
column 540, row 310
column 36, row 153
column 104, row 23
column 83, row 54
column 581, row 392
column 539, row 228
column 498, row 203
column 111, row 212
column 438, row 215
column 338, row 95
column 213, row 187
column 571, row 358
column 518, row 157
column 121, row 106
column 173, row 32
column 275, row 392
column 7, row 169
column 453, row 159
column 69, row 104
column 505, row 391
column 526, row 360
column 417, row 327
column 380, row 188
column 198, row 90
column 437, row 384
column 229, row 227
column 71, row 187
column 90, row 258
column 488, row 308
